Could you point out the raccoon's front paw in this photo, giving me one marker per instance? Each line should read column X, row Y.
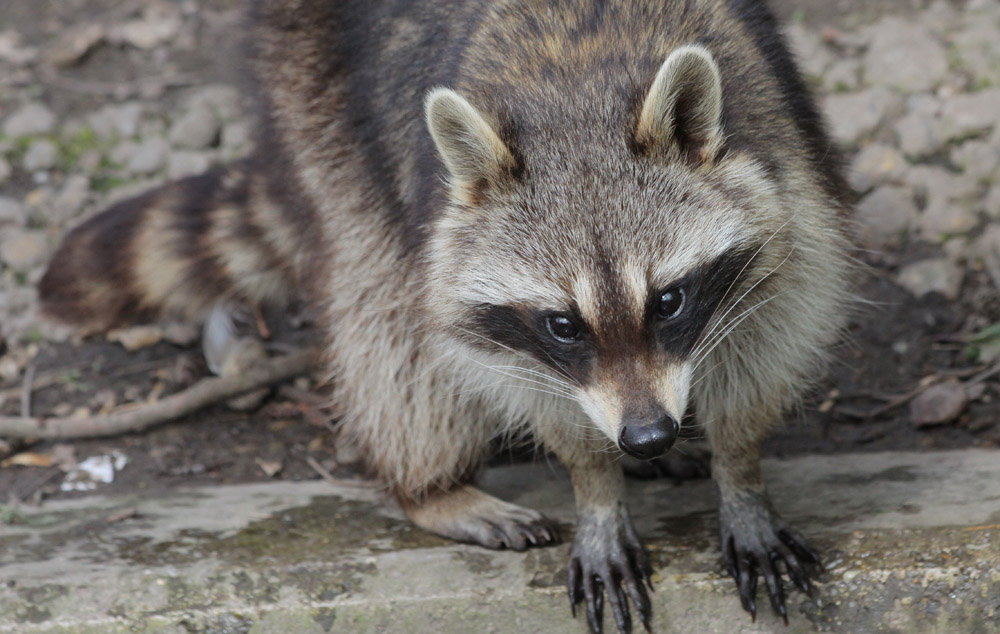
column 608, row 558
column 466, row 514
column 755, row 539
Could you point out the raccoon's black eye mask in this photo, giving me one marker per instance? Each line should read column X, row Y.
column 674, row 318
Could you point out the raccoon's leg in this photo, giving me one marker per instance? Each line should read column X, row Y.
column 754, row 537
column 466, row 514
column 607, row 555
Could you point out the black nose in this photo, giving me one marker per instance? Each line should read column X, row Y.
column 648, row 440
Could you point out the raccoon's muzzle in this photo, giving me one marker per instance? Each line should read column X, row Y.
column 646, row 439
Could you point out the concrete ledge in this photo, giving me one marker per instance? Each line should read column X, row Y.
column 911, row 543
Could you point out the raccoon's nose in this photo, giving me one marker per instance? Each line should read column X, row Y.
column 648, row 440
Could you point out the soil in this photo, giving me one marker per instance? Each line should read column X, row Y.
column 895, row 342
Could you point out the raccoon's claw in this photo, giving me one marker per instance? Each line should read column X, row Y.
column 754, row 540
column 608, row 559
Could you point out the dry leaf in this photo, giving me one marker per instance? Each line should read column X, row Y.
column 28, row 459
column 136, row 337
column 270, row 467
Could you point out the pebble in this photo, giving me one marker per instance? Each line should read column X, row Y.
column 41, row 155
column 29, row 120
column 69, row 201
column 224, row 100
column 116, row 120
column 936, row 275
column 197, row 129
column 904, row 56
column 856, row 116
column 181, row 164
column 236, row 137
column 973, row 114
column 939, row 404
column 875, row 164
column 942, row 218
column 149, row 156
column 979, row 160
column 919, row 134
column 885, row 216
column 11, row 211
column 24, row 250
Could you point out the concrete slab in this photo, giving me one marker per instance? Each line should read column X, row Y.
column 911, row 541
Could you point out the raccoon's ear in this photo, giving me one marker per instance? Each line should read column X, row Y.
column 683, row 108
column 472, row 151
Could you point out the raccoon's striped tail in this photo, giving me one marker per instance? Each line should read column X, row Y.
column 176, row 251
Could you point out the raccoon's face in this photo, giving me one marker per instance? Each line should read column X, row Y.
column 606, row 271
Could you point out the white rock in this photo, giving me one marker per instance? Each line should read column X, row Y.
column 150, row 156
column 196, row 129
column 159, row 24
column 885, row 216
column 936, row 182
column 69, row 202
column 919, row 134
column 11, row 212
column 977, row 159
column 221, row 99
column 971, row 114
column 905, row 56
column 236, row 136
column 875, row 164
column 29, row 120
column 842, row 76
column 121, row 120
column 943, row 217
column 42, row 154
column 856, row 116
column 24, row 250
column 938, row 275
column 181, row 164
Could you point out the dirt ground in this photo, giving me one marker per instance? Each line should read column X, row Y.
column 898, row 344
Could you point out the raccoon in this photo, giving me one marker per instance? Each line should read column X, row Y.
column 577, row 222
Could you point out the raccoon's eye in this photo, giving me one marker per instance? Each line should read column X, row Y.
column 562, row 328
column 671, row 303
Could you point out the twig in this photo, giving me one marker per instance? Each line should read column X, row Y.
column 321, row 470
column 136, row 418
column 29, row 379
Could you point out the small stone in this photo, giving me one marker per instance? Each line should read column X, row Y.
column 150, row 156
column 11, row 212
column 919, row 134
column 236, row 137
column 987, row 249
column 69, row 202
column 856, row 116
column 121, row 120
column 136, row 337
column 183, row 164
column 874, row 165
column 29, row 120
column 972, row 114
column 943, row 218
column 24, row 250
column 159, row 24
column 885, row 216
column 937, row 275
column 75, row 44
column 991, row 203
column 41, row 155
column 904, row 56
column 5, row 170
column 12, row 52
column 939, row 404
column 842, row 76
column 221, row 99
column 977, row 159
column 977, row 47
column 196, row 129
column 936, row 182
